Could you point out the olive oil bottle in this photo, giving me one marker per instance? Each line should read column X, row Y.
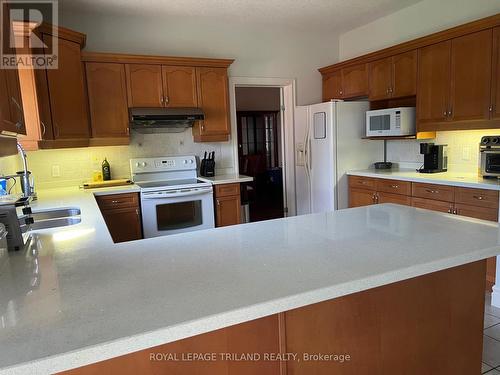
column 106, row 170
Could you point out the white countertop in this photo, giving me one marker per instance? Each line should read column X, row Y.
column 82, row 299
column 469, row 180
column 226, row 179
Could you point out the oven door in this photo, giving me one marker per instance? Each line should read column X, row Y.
column 177, row 211
column 490, row 163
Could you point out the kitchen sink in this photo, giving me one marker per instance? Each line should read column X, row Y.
column 53, row 223
column 55, row 214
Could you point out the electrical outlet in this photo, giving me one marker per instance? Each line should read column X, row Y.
column 56, row 171
column 466, row 153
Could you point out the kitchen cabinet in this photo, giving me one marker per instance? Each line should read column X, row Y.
column 107, row 94
column 161, row 86
column 11, row 104
column 495, row 79
column 145, row 85
column 332, row 86
column 227, row 204
column 213, row 98
column 433, row 83
column 354, row 81
column 476, row 203
column 122, row 215
column 393, row 77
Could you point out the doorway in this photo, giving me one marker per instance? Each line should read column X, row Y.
column 260, row 151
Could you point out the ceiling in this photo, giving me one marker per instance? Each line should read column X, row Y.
column 328, row 15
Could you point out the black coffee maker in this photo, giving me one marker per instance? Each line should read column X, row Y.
column 435, row 158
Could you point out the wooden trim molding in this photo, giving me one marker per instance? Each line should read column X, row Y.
column 160, row 60
column 63, row 33
column 468, row 28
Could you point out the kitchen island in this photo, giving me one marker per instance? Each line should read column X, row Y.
column 354, row 283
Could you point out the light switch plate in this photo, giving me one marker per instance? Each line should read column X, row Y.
column 56, row 171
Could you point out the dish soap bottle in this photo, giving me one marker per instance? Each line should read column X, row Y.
column 106, row 170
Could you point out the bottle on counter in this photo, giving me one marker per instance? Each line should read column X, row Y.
column 106, row 170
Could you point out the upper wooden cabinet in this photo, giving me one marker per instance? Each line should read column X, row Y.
column 433, row 82
column 332, row 86
column 495, row 79
column 354, row 81
column 145, row 85
column 213, row 99
column 179, row 86
column 161, row 86
column 470, row 77
column 393, row 77
column 11, row 103
column 107, row 91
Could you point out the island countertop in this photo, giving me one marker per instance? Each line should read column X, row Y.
column 77, row 298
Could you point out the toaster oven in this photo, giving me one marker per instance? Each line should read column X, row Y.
column 489, row 156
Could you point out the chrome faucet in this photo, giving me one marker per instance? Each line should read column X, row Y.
column 27, row 184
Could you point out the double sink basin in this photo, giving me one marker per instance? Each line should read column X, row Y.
column 45, row 219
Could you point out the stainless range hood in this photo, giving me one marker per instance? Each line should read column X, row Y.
column 164, row 120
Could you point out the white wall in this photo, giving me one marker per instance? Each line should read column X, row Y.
column 258, row 98
column 420, row 19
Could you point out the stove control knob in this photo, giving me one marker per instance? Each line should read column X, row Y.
column 191, row 161
column 494, row 140
column 485, row 140
column 143, row 164
column 185, row 161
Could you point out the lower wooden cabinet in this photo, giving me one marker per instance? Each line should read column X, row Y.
column 122, row 215
column 227, row 205
column 476, row 203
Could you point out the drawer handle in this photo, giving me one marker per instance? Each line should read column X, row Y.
column 116, row 202
column 432, row 191
column 395, row 186
column 478, row 197
column 362, row 182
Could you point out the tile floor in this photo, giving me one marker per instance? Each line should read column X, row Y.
column 491, row 339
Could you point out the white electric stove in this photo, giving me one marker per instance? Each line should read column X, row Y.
column 173, row 200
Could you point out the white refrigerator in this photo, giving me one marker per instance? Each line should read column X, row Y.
column 328, row 143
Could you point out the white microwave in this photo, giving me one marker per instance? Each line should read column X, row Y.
column 390, row 122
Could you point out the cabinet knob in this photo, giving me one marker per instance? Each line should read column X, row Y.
column 491, row 108
column 478, row 197
column 166, row 99
column 445, row 113
column 162, row 100
column 218, row 202
column 43, row 128
column 395, row 186
column 202, row 127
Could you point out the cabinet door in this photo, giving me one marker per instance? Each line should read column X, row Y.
column 66, row 91
column 483, row 213
column 404, row 81
column 380, row 79
column 433, row 82
column 145, row 86
column 393, row 198
column 5, row 117
column 471, row 77
column 354, row 81
column 431, row 204
column 179, row 86
column 361, row 197
column 213, row 99
column 332, row 86
column 495, row 81
column 107, row 90
column 124, row 224
column 227, row 210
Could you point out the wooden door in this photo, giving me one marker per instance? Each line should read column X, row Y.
column 227, row 210
column 16, row 101
column 213, row 99
column 332, row 86
column 404, row 80
column 145, row 86
column 66, row 90
column 433, row 82
column 179, row 86
column 393, row 198
column 5, row 108
column 361, row 197
column 380, row 79
column 495, row 79
column 354, row 81
column 433, row 205
column 107, row 91
column 124, row 224
column 471, row 77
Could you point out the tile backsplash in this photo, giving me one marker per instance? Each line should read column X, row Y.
column 72, row 167
column 462, row 150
